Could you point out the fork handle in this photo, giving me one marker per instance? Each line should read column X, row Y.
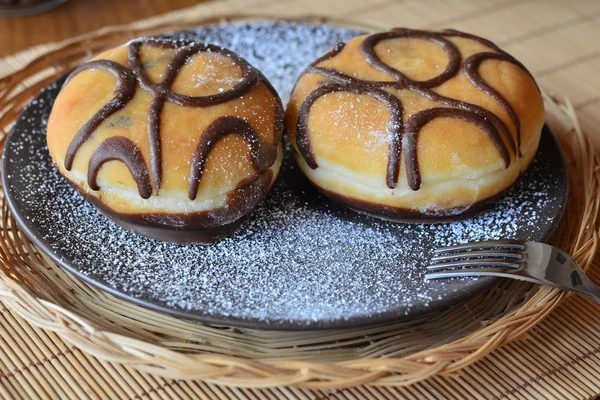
column 586, row 287
column 590, row 295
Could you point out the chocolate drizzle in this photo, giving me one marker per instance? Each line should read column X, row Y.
column 471, row 69
column 394, row 125
column 262, row 154
column 403, row 137
column 119, row 148
column 124, row 150
column 422, row 118
column 123, row 93
column 367, row 48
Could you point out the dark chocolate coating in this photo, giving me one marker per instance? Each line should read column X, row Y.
column 397, row 214
column 194, row 227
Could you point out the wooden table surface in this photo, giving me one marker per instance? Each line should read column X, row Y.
column 77, row 17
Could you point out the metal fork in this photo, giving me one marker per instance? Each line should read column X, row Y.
column 529, row 261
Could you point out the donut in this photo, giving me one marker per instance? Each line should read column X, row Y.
column 175, row 140
column 413, row 125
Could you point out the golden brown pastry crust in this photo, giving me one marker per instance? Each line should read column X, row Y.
column 172, row 135
column 415, row 125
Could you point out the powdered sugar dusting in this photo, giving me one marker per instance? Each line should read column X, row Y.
column 300, row 260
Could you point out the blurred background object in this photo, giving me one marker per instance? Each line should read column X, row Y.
column 27, row 7
column 75, row 17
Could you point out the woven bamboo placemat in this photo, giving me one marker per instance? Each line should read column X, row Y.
column 560, row 358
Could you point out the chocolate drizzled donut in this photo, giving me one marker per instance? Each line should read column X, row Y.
column 402, row 137
column 263, row 153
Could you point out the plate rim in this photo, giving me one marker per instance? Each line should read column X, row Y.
column 359, row 320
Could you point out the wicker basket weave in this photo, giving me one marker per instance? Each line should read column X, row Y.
column 392, row 354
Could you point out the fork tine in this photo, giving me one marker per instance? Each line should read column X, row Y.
column 490, row 244
column 473, row 272
column 478, row 254
column 483, row 262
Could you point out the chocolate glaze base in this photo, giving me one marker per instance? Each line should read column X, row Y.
column 404, row 215
column 137, row 224
column 203, row 227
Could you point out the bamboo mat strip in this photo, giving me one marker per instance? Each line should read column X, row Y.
column 560, row 359
column 531, row 369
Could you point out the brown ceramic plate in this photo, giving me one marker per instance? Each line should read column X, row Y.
column 300, row 261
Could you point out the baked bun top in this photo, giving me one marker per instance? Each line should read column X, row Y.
column 407, row 108
column 178, row 120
